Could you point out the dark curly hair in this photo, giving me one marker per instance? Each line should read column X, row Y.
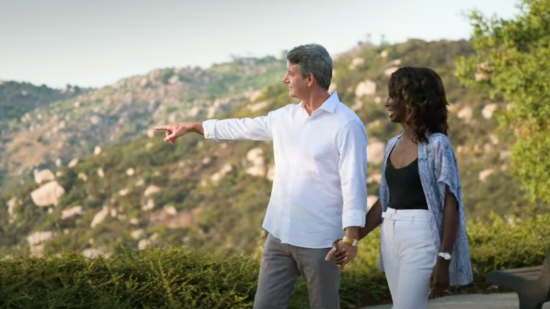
column 422, row 92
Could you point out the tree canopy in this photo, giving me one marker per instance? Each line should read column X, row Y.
column 512, row 62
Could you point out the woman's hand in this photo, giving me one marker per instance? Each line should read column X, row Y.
column 439, row 280
column 338, row 254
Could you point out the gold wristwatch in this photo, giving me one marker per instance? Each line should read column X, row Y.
column 350, row 241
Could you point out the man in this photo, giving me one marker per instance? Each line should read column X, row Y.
column 319, row 186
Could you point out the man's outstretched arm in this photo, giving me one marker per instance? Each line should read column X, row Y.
column 258, row 129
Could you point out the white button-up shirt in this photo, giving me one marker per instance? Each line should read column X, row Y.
column 319, row 186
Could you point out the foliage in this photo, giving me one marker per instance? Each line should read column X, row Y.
column 176, row 277
column 194, row 208
column 511, row 61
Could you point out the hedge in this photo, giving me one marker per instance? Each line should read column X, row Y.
column 173, row 277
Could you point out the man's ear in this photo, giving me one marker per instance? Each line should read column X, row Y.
column 310, row 80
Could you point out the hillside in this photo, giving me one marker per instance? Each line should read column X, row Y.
column 17, row 99
column 73, row 127
column 142, row 192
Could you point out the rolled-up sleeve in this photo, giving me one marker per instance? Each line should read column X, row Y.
column 352, row 148
column 258, row 129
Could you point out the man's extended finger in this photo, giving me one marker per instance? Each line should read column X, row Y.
column 162, row 128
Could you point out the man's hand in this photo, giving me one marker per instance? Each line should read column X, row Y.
column 176, row 130
column 439, row 280
column 341, row 253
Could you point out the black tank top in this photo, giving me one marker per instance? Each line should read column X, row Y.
column 405, row 187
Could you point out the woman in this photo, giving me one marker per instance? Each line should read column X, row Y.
column 424, row 247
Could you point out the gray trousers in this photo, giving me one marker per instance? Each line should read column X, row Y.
column 280, row 268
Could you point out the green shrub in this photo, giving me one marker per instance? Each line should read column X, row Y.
column 182, row 278
column 167, row 278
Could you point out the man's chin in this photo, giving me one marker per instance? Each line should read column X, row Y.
column 292, row 94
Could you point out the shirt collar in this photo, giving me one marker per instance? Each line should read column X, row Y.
column 330, row 104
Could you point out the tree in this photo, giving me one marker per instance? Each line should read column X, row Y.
column 512, row 62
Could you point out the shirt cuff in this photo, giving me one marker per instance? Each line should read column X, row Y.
column 353, row 217
column 209, row 128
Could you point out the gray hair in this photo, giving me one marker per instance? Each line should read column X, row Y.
column 314, row 59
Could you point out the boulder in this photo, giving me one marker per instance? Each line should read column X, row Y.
column 43, row 176
column 138, row 234
column 100, row 216
column 40, row 237
column 271, row 173
column 488, row 110
column 72, row 212
column 82, row 176
column 258, row 106
column 356, row 62
column 485, row 173
column 175, row 220
column 374, row 177
column 395, row 62
column 144, row 244
column 12, row 203
column 221, row 173
column 358, row 105
column 375, row 152
column 255, row 157
column 151, row 189
column 389, row 71
column 93, row 253
column 466, row 114
column 73, row 163
column 149, row 206
column 367, row 87
column 37, row 241
column 48, row 194
column 371, row 199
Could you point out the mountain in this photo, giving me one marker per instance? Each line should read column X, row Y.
column 18, row 99
column 137, row 191
column 76, row 126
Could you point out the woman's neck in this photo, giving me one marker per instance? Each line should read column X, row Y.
column 408, row 133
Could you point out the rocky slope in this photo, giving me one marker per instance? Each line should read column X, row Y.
column 77, row 126
column 142, row 192
column 18, row 99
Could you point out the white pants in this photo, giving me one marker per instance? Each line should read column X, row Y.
column 409, row 255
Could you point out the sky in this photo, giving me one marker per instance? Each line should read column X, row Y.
column 93, row 43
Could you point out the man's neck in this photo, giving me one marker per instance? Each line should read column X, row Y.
column 315, row 99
